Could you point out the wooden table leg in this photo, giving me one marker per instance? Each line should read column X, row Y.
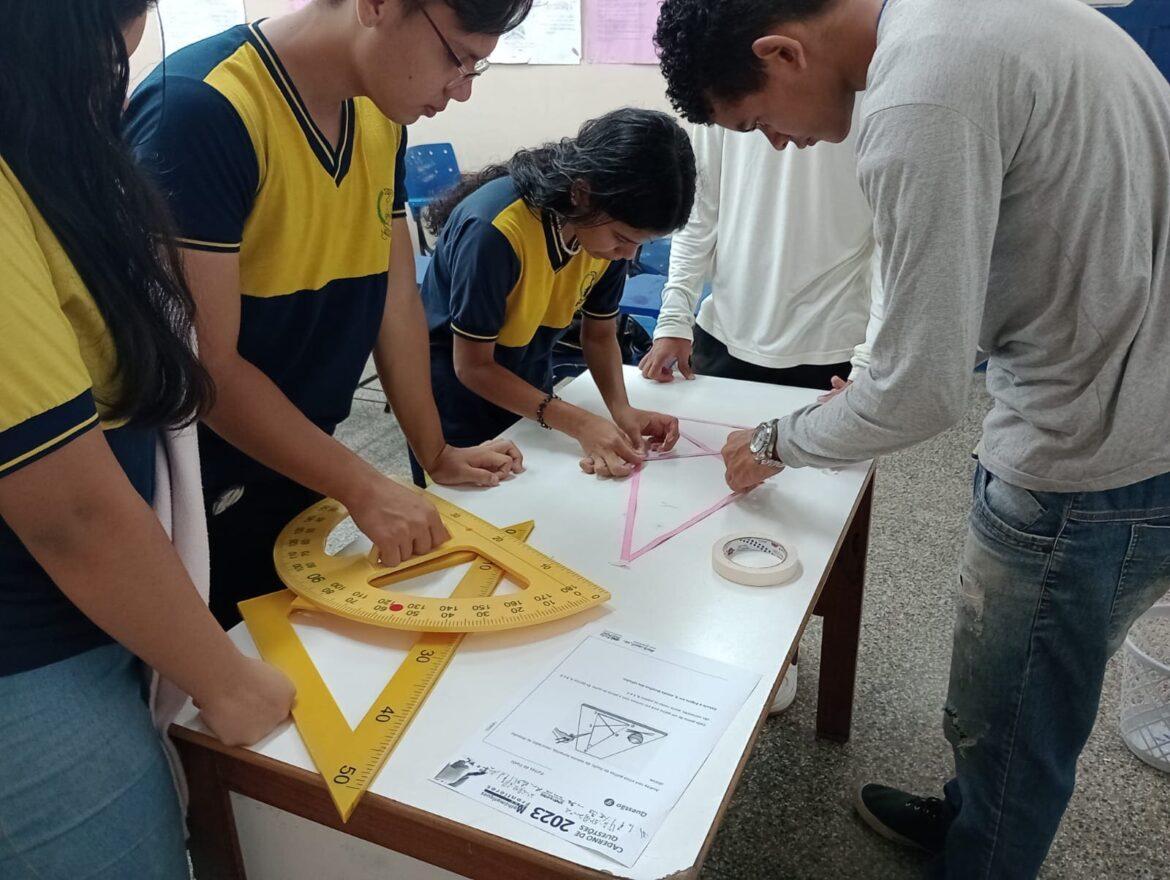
column 213, row 844
column 840, row 606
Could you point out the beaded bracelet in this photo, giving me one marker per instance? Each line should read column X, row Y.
column 549, row 398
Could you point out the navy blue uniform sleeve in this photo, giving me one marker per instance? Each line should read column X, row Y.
column 192, row 140
column 605, row 296
column 483, row 270
column 400, row 194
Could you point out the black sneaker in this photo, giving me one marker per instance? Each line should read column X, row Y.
column 920, row 822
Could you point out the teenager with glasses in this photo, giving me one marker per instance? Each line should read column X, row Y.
column 96, row 360
column 280, row 145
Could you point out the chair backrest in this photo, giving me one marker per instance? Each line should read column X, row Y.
column 1148, row 22
column 430, row 169
column 654, row 257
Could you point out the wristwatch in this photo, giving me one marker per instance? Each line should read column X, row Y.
column 763, row 445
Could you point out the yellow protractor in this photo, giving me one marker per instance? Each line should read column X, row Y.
column 349, row 760
column 355, row 585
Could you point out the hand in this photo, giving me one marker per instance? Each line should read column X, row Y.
column 249, row 704
column 664, row 355
column 839, row 385
column 744, row 473
column 401, row 523
column 638, row 423
column 483, row 465
column 608, row 449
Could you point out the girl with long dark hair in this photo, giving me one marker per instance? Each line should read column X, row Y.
column 96, row 360
column 526, row 245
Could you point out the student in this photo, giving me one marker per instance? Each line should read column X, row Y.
column 95, row 361
column 1015, row 156
column 280, row 145
column 786, row 238
column 523, row 247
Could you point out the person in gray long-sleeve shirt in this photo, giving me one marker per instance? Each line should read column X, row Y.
column 1016, row 157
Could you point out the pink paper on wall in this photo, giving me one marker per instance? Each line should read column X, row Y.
column 620, row 31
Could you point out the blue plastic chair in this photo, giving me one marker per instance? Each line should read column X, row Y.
column 431, row 169
column 643, row 295
column 1148, row 22
column 653, row 258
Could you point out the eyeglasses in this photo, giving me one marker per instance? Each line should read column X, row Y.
column 477, row 69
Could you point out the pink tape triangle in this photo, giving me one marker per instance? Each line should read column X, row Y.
column 629, row 553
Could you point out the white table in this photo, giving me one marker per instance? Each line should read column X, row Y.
column 670, row 596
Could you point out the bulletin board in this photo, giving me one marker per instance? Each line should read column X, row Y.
column 610, row 31
column 560, row 32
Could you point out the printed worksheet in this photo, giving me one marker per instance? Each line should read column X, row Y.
column 599, row 750
column 551, row 34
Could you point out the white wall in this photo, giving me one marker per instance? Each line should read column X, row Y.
column 512, row 106
column 520, row 106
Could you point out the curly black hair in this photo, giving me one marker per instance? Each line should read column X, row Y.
column 637, row 167
column 705, row 47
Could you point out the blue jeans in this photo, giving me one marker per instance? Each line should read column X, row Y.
column 85, row 789
column 1050, row 584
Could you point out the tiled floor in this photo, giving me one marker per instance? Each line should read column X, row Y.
column 791, row 815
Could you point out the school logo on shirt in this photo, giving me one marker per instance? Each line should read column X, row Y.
column 586, row 285
column 385, row 209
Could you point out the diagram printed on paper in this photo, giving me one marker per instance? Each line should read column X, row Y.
column 602, row 734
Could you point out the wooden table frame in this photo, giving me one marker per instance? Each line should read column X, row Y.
column 215, row 770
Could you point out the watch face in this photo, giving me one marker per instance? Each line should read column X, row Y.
column 759, row 439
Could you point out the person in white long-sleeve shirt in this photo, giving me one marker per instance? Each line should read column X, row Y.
column 786, row 238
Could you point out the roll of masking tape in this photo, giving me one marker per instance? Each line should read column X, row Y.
column 775, row 563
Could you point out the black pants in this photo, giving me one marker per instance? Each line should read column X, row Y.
column 711, row 358
column 242, row 538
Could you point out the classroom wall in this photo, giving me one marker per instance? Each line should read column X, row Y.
column 512, row 106
column 517, row 106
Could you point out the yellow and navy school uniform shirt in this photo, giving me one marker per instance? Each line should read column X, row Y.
column 57, row 364
column 246, row 170
column 502, row 273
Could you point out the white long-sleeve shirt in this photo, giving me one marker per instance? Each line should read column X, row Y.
column 787, row 241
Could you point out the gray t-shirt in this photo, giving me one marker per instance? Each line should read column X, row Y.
column 1016, row 156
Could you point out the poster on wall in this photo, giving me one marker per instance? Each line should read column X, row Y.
column 185, row 22
column 621, row 31
column 551, row 34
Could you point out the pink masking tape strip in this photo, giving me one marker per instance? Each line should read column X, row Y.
column 706, row 449
column 662, row 539
column 631, row 512
column 628, row 553
column 717, row 424
column 667, row 456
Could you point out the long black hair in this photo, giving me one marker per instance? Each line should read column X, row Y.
column 64, row 73
column 634, row 166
